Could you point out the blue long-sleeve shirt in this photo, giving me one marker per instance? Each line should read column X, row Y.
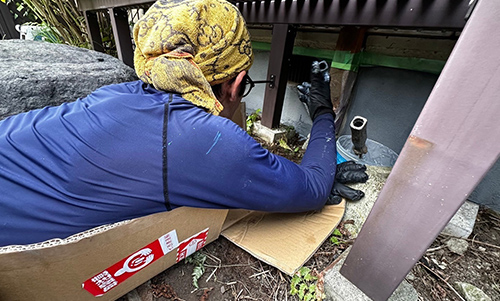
column 128, row 150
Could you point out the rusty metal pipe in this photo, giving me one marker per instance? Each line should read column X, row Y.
column 358, row 135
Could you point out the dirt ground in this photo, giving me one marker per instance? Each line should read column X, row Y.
column 479, row 265
column 233, row 274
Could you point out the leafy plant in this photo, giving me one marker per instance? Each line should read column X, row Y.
column 63, row 19
column 251, row 119
column 283, row 143
column 46, row 33
column 21, row 12
column 198, row 260
column 304, row 285
column 335, row 237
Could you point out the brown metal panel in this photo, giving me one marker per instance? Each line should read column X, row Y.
column 104, row 4
column 453, row 144
column 445, row 14
column 121, row 32
column 7, row 26
column 279, row 63
column 93, row 30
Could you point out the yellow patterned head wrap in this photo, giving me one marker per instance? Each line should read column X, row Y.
column 185, row 46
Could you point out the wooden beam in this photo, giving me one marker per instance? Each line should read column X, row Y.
column 352, row 39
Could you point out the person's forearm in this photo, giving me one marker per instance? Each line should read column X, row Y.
column 320, row 156
column 247, row 175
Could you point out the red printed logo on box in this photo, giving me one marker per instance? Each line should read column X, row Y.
column 122, row 270
column 192, row 244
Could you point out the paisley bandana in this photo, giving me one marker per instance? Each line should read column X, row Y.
column 185, row 46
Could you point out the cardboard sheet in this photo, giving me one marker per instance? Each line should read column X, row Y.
column 285, row 241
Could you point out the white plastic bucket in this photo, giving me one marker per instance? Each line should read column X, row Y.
column 377, row 155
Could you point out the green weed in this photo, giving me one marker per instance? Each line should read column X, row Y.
column 335, row 237
column 251, row 119
column 198, row 260
column 304, row 285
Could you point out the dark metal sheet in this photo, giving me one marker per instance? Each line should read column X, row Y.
column 93, row 30
column 7, row 26
column 104, row 4
column 443, row 14
column 279, row 64
column 452, row 145
column 123, row 38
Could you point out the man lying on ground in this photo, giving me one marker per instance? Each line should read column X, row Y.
column 138, row 148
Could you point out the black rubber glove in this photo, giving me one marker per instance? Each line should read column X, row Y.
column 340, row 191
column 351, row 172
column 316, row 95
column 347, row 172
column 304, row 90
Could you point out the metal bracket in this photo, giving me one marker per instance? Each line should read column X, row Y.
column 271, row 82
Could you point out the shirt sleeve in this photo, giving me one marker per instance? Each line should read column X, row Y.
column 288, row 187
column 232, row 170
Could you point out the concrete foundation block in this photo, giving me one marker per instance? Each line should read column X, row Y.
column 463, row 221
column 267, row 134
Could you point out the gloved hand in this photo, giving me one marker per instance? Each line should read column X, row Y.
column 316, row 95
column 346, row 173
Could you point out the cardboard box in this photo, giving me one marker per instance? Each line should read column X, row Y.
column 109, row 260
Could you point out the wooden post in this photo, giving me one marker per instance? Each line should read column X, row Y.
column 351, row 39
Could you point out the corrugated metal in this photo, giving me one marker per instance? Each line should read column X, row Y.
column 444, row 14
column 104, row 4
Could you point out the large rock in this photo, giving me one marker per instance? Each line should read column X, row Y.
column 38, row 74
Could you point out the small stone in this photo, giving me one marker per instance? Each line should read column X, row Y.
column 410, row 277
column 222, row 289
column 440, row 253
column 441, row 265
column 470, row 292
column 481, row 249
column 457, row 245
